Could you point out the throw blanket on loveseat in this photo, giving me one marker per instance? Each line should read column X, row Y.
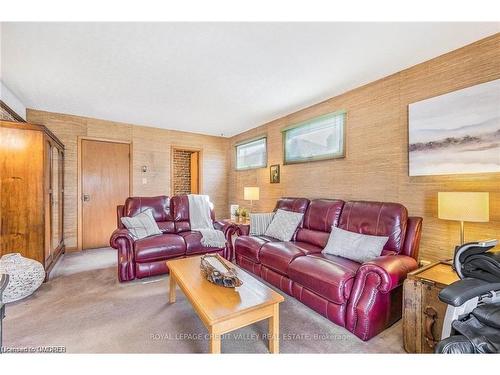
column 200, row 220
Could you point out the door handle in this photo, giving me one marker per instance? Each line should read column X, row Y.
column 86, row 198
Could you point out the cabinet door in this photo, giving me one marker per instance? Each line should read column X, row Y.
column 21, row 192
column 48, row 201
column 433, row 312
column 61, row 197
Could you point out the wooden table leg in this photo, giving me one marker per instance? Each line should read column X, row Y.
column 274, row 330
column 215, row 342
column 171, row 291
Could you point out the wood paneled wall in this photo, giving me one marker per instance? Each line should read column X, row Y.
column 376, row 163
column 375, row 167
column 150, row 147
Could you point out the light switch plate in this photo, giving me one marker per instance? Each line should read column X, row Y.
column 144, row 181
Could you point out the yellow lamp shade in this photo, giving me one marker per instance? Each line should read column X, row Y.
column 464, row 206
column 251, row 193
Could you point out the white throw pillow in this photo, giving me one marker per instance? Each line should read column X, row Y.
column 141, row 225
column 355, row 246
column 283, row 225
column 259, row 223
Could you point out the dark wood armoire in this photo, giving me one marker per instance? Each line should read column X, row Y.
column 31, row 192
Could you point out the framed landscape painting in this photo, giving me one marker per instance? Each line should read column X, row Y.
column 456, row 133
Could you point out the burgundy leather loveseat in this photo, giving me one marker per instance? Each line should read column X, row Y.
column 147, row 256
column 364, row 298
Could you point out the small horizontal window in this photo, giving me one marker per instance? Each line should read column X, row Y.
column 252, row 154
column 317, row 139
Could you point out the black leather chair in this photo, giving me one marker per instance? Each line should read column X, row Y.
column 4, row 280
column 472, row 321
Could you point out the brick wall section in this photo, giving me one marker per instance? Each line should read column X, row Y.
column 182, row 172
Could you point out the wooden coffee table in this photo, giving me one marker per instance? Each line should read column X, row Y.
column 223, row 310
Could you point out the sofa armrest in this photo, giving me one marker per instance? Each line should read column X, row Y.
column 229, row 229
column 392, row 270
column 119, row 215
column 376, row 296
column 412, row 237
column 124, row 243
column 222, row 225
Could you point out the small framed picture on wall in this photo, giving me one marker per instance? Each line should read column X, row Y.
column 274, row 174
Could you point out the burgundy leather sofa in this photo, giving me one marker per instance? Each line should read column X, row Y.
column 147, row 256
column 364, row 298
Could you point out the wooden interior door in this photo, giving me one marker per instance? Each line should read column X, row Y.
column 195, row 173
column 105, row 178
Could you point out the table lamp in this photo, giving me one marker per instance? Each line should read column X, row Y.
column 463, row 206
column 251, row 194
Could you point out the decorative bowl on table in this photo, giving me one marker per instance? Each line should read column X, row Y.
column 215, row 270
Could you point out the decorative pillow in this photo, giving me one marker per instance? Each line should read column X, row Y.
column 355, row 246
column 141, row 225
column 283, row 225
column 259, row 223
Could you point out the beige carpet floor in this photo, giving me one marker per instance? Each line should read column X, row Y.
column 85, row 309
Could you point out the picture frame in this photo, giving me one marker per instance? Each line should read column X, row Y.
column 456, row 132
column 274, row 174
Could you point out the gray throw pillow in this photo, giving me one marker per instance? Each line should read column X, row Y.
column 355, row 246
column 283, row 225
column 141, row 225
column 259, row 223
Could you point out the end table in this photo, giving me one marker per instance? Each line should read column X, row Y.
column 423, row 312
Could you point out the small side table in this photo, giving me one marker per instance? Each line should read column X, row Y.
column 242, row 225
column 423, row 312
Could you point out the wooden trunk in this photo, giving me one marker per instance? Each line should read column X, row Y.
column 31, row 192
column 423, row 312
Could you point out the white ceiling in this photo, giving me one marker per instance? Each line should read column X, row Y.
column 211, row 78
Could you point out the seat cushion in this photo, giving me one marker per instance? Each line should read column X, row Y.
column 249, row 246
column 329, row 276
column 193, row 243
column 278, row 255
column 164, row 246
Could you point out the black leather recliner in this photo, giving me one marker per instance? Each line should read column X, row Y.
column 472, row 321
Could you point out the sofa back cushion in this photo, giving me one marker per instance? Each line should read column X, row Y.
column 160, row 207
column 180, row 212
column 319, row 218
column 292, row 204
column 376, row 219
